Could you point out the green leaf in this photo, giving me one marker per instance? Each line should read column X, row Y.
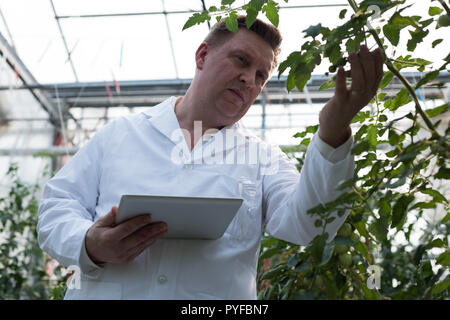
column 312, row 129
column 437, row 196
column 392, row 29
column 343, row 240
column 361, row 147
column 342, row 13
column 269, row 253
column 387, row 78
column 436, row 42
column 361, row 116
column 416, row 37
column 290, row 81
column 393, row 137
column 441, row 286
column 313, row 31
column 436, row 243
column 317, row 246
column 400, row 210
column 444, row 259
column 302, row 75
column 251, row 17
column 292, row 261
column 293, row 58
column 304, row 266
column 372, row 135
column 385, row 207
column 274, row 272
column 400, row 99
column 361, row 227
column 333, row 52
column 231, row 23
column 434, row 11
column 254, row 6
column 327, row 85
column 306, row 141
column 352, row 44
column 370, row 294
column 427, row 78
column 43, row 154
column 227, row 2
column 361, row 247
column 330, row 220
column 327, row 253
column 272, row 12
column 446, row 218
column 197, row 18
column 437, row 111
column 300, row 134
column 424, row 205
column 379, row 228
column 443, row 173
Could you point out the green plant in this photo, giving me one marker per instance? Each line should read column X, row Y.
column 22, row 263
column 401, row 165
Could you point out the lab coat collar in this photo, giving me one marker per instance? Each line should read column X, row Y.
column 163, row 118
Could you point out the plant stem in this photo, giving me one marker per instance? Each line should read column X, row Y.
column 402, row 79
column 445, row 6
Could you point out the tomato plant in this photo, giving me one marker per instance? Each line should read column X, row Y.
column 401, row 163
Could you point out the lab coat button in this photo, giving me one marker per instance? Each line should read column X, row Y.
column 162, row 279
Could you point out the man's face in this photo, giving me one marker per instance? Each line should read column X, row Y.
column 232, row 75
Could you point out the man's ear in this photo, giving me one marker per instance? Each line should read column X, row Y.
column 200, row 55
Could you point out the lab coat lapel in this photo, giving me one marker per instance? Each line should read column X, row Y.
column 163, row 118
column 225, row 145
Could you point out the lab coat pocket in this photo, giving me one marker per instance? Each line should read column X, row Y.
column 95, row 290
column 246, row 225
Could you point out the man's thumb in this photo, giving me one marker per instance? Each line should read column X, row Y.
column 108, row 219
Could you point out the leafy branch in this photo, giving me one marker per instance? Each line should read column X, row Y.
column 405, row 82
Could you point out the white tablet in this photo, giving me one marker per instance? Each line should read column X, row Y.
column 186, row 217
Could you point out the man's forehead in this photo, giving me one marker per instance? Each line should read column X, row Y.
column 249, row 43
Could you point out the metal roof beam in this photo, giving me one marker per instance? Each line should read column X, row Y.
column 29, row 82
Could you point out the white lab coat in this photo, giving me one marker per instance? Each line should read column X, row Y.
column 137, row 154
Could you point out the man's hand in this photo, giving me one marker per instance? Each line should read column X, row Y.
column 337, row 114
column 107, row 242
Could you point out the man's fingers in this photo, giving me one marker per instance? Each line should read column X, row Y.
column 368, row 66
column 340, row 88
column 142, row 235
column 379, row 62
column 128, row 227
column 137, row 249
column 108, row 219
column 357, row 73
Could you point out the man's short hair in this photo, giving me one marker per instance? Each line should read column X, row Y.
column 269, row 33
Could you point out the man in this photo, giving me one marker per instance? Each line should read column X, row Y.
column 135, row 155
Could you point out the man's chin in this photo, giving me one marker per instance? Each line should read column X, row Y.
column 231, row 111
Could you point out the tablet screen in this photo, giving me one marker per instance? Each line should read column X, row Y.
column 186, row 217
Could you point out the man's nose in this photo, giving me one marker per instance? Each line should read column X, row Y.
column 248, row 77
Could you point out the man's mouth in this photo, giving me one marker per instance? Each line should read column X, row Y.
column 238, row 93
